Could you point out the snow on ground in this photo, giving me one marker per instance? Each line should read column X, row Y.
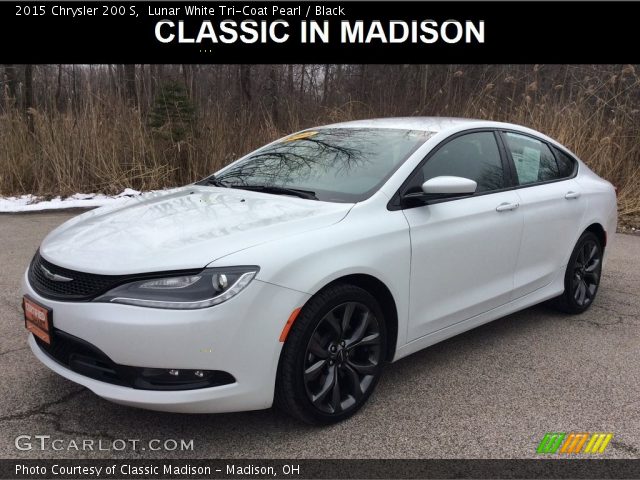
column 32, row 203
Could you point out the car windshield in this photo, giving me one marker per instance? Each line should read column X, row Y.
column 332, row 164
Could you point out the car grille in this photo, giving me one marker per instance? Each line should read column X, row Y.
column 86, row 359
column 82, row 286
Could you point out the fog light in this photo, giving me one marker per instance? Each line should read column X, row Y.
column 180, row 379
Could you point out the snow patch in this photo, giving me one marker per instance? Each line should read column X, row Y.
column 33, row 203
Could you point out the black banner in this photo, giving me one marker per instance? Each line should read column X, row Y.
column 319, row 32
column 329, row 469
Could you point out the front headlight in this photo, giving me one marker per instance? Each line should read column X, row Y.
column 201, row 290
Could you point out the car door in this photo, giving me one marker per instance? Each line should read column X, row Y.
column 463, row 250
column 552, row 209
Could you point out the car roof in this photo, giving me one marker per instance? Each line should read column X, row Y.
column 429, row 124
column 441, row 125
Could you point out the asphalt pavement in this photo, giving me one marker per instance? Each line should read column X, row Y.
column 492, row 392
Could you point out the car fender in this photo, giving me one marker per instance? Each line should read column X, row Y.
column 362, row 243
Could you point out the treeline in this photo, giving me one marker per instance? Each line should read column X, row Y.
column 81, row 128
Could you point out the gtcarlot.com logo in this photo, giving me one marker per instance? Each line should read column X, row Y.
column 569, row 443
column 46, row 442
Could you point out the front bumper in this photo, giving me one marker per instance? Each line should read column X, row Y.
column 239, row 337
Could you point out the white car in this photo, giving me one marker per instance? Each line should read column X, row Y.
column 293, row 274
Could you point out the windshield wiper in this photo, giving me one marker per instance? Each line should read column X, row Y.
column 212, row 180
column 307, row 194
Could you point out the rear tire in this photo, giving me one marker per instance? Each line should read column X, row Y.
column 582, row 277
column 333, row 356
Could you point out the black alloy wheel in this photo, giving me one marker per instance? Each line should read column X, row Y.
column 586, row 273
column 582, row 277
column 342, row 357
column 333, row 356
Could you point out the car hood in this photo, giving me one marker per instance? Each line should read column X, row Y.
column 187, row 227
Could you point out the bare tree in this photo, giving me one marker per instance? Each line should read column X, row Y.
column 302, row 74
column 11, row 82
column 273, row 93
column 58, row 94
column 130, row 84
column 27, row 99
column 245, row 83
column 325, row 84
column 290, row 80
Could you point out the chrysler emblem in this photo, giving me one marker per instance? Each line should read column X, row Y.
column 54, row 276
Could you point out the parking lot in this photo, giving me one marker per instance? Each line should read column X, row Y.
column 492, row 392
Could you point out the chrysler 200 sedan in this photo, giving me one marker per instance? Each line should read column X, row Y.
column 293, row 274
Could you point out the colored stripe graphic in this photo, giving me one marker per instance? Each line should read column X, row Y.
column 550, row 443
column 598, row 443
column 580, row 443
column 569, row 443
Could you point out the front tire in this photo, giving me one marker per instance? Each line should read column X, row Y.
column 333, row 356
column 582, row 277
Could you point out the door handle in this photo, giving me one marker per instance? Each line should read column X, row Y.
column 503, row 207
column 571, row 194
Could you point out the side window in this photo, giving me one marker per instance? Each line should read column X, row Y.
column 533, row 159
column 474, row 156
column 566, row 165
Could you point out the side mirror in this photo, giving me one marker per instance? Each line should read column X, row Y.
column 442, row 187
column 449, row 186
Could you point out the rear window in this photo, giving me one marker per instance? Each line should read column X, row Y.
column 532, row 158
column 566, row 164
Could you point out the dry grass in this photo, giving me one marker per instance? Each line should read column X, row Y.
column 105, row 145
